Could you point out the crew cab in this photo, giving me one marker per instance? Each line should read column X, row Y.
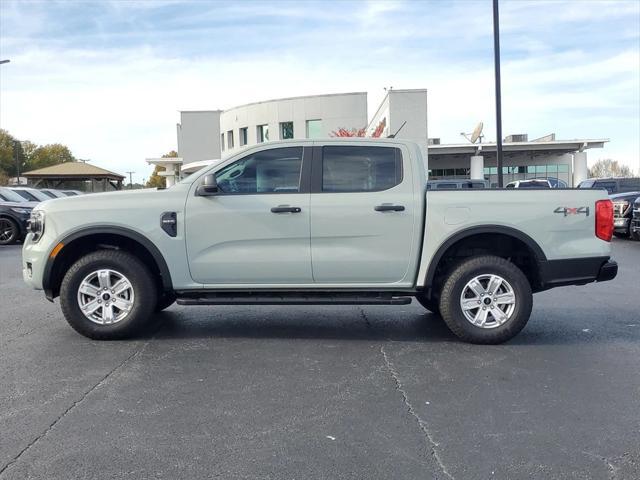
column 337, row 222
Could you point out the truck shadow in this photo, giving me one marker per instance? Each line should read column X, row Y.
column 424, row 327
column 408, row 326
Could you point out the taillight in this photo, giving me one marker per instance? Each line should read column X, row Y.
column 604, row 220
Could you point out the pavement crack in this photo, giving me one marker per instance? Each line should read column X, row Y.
column 71, row 407
column 365, row 318
column 432, row 444
column 613, row 470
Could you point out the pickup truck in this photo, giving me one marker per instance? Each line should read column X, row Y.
column 332, row 222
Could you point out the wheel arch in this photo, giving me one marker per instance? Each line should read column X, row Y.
column 482, row 234
column 91, row 239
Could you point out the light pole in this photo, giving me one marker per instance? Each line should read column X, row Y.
column 496, row 63
column 130, row 180
column 16, row 147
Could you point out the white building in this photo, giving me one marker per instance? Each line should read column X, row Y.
column 215, row 134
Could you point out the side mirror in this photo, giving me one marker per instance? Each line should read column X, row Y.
column 208, row 187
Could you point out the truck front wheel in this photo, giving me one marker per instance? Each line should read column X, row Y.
column 107, row 295
column 486, row 300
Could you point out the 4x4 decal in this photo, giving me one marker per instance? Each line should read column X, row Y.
column 572, row 211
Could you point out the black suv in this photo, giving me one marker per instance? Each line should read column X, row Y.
column 622, row 212
column 13, row 221
column 612, row 185
column 635, row 221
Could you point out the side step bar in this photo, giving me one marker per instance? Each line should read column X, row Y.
column 292, row 298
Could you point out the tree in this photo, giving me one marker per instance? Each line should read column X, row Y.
column 609, row 168
column 48, row 155
column 7, row 154
column 156, row 180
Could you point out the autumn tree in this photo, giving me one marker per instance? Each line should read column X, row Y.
column 609, row 168
column 345, row 132
column 7, row 154
column 48, row 155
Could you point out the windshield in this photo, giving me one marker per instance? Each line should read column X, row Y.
column 586, row 184
column 11, row 196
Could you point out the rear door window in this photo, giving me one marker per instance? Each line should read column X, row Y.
column 360, row 168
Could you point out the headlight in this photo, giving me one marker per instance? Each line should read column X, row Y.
column 35, row 224
column 21, row 210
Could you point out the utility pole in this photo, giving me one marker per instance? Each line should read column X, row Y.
column 130, row 179
column 496, row 62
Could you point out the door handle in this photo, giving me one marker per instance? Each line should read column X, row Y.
column 389, row 208
column 285, row 209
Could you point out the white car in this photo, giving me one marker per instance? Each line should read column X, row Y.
column 533, row 183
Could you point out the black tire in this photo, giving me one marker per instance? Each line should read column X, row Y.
column 165, row 301
column 450, row 300
column 428, row 303
column 635, row 235
column 9, row 231
column 142, row 283
column 621, row 234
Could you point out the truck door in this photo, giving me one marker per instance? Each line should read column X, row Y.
column 256, row 229
column 364, row 215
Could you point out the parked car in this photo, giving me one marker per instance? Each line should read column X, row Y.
column 612, row 185
column 13, row 221
column 532, row 183
column 8, row 195
column 623, row 212
column 31, row 194
column 456, row 183
column 635, row 222
column 72, row 193
column 557, row 183
column 330, row 221
column 53, row 193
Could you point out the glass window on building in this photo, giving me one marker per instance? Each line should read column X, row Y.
column 230, row 139
column 244, row 136
column 286, row 130
column 314, row 128
column 222, row 141
column 262, row 133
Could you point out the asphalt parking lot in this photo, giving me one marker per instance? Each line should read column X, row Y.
column 324, row 392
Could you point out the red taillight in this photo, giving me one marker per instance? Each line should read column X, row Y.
column 604, row 220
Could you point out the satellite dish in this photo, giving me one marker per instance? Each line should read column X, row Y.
column 477, row 132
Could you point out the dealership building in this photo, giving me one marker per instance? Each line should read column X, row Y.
column 209, row 135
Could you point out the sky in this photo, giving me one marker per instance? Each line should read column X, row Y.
column 108, row 78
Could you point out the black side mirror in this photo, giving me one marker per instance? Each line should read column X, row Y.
column 208, row 187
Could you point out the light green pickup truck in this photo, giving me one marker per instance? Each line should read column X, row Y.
column 331, row 222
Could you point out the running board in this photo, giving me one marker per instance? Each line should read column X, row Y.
column 292, row 298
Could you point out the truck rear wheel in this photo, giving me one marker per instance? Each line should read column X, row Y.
column 107, row 295
column 486, row 300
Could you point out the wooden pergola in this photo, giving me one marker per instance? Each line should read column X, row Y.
column 73, row 175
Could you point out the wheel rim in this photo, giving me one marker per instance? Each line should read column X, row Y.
column 105, row 297
column 6, row 230
column 488, row 301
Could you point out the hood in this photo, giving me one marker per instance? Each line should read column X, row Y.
column 28, row 205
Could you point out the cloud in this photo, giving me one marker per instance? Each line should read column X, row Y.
column 109, row 78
